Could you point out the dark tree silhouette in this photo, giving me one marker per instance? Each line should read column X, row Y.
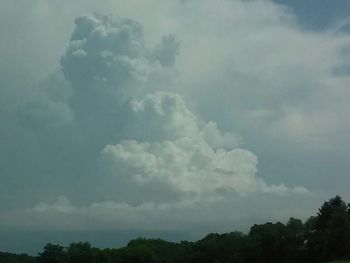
column 53, row 254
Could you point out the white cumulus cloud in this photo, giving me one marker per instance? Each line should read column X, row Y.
column 180, row 153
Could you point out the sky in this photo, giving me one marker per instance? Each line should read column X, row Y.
column 168, row 119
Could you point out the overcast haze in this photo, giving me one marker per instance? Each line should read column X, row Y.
column 168, row 119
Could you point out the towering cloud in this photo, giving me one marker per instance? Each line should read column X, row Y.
column 140, row 130
column 130, row 147
column 107, row 62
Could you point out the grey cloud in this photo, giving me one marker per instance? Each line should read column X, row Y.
column 254, row 82
column 108, row 60
column 107, row 64
column 62, row 214
column 167, row 51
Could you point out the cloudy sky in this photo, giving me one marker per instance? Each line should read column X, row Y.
column 168, row 119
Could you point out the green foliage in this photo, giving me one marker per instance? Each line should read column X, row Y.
column 219, row 248
column 53, row 254
column 81, row 252
column 268, row 242
column 329, row 231
column 13, row 258
column 158, row 250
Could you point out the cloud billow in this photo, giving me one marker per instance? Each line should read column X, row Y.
column 136, row 149
column 107, row 62
column 179, row 155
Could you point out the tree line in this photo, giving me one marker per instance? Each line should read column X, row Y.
column 323, row 237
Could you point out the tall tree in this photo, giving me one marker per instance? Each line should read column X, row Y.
column 332, row 230
column 295, row 238
column 268, row 242
column 80, row 252
column 53, row 254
